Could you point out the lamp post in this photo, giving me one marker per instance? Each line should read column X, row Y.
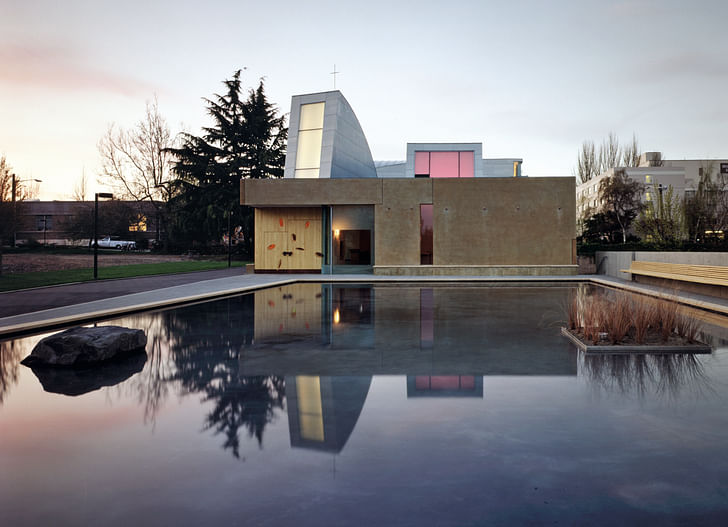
column 230, row 241
column 15, row 214
column 98, row 195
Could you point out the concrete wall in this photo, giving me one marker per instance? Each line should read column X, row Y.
column 509, row 221
column 309, row 192
column 610, row 262
column 477, row 221
column 397, row 220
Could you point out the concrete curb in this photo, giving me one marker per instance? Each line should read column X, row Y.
column 634, row 350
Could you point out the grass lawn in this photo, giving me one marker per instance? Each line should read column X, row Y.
column 11, row 282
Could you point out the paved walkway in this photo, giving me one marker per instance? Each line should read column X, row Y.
column 43, row 308
column 37, row 299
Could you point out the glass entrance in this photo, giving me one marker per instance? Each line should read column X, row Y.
column 352, row 247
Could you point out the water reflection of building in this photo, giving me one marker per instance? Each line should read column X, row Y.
column 395, row 330
column 322, row 411
column 444, row 386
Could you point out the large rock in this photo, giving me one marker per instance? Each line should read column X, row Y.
column 85, row 346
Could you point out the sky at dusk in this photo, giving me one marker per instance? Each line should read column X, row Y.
column 527, row 79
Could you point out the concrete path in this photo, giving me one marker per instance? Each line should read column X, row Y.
column 37, row 299
column 44, row 308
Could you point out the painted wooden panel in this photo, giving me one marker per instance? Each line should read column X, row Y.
column 288, row 239
column 275, row 247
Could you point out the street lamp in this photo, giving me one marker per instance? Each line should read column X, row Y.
column 15, row 214
column 106, row 195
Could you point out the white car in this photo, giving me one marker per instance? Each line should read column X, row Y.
column 112, row 243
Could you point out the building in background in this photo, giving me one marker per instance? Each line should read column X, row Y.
column 62, row 223
column 656, row 174
column 444, row 210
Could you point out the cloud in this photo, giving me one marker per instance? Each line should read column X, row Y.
column 636, row 9
column 60, row 69
column 689, row 66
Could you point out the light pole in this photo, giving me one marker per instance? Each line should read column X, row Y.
column 98, row 195
column 230, row 240
column 15, row 214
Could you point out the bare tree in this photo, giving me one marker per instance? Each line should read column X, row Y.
column 608, row 155
column 586, row 164
column 631, row 153
column 80, row 190
column 622, row 198
column 593, row 161
column 7, row 208
column 5, row 180
column 136, row 162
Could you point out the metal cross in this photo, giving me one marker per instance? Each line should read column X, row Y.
column 334, row 74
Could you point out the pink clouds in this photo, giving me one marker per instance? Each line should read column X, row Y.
column 60, row 69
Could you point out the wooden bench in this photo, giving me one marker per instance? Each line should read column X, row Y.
column 701, row 274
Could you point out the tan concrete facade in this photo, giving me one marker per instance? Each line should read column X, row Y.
column 493, row 226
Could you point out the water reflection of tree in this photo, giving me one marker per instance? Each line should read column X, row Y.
column 643, row 374
column 151, row 385
column 10, row 352
column 204, row 346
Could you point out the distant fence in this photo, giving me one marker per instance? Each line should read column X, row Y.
column 610, row 262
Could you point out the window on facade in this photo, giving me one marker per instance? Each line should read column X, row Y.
column 444, row 164
column 44, row 223
column 426, row 232
column 140, row 225
column 310, row 134
column 648, row 178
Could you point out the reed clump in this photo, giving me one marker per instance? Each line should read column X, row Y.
column 629, row 319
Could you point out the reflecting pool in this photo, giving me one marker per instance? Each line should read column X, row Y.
column 356, row 404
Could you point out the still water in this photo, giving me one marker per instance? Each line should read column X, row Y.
column 367, row 405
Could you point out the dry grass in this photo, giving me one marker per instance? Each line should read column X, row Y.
column 687, row 327
column 666, row 316
column 591, row 316
column 626, row 319
column 572, row 312
column 643, row 318
column 617, row 318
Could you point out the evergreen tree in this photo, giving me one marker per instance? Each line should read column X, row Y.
column 246, row 140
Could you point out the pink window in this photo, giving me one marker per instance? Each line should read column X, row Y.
column 467, row 167
column 422, row 163
column 444, row 164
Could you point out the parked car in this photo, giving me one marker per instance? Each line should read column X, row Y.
column 115, row 243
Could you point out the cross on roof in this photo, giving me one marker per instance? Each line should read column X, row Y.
column 334, row 74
